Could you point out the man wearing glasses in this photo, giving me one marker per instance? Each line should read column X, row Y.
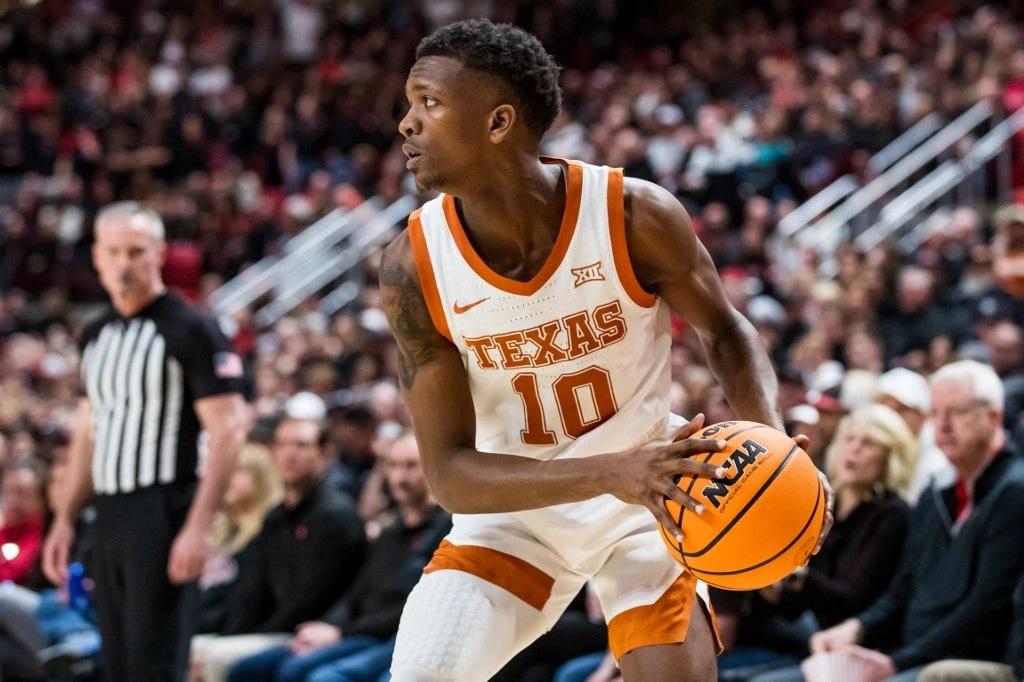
column 965, row 550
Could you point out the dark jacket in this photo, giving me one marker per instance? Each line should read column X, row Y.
column 951, row 595
column 394, row 564
column 304, row 559
column 217, row 587
column 856, row 563
column 1015, row 650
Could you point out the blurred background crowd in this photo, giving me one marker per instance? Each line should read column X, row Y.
column 244, row 122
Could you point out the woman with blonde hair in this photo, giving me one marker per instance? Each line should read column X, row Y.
column 253, row 490
column 868, row 462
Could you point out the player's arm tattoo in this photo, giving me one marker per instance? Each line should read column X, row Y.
column 408, row 316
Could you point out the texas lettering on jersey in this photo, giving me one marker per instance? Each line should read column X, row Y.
column 567, row 338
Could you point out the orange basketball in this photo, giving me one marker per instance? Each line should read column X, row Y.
column 761, row 521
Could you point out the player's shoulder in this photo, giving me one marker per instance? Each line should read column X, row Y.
column 659, row 233
column 397, row 262
column 648, row 205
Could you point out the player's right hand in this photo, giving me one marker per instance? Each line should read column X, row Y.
column 648, row 475
column 848, row 632
column 56, row 551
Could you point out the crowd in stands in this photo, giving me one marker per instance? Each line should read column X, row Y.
column 242, row 123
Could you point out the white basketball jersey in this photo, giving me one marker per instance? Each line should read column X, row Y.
column 574, row 362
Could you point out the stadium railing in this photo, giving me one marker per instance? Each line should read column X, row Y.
column 310, row 245
column 862, row 207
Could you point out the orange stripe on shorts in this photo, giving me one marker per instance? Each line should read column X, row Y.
column 666, row 621
column 512, row 574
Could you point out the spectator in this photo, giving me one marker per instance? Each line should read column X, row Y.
column 1005, row 346
column 803, row 419
column 306, row 555
column 987, row 671
column 914, row 322
column 963, row 555
column 253, row 490
column 908, row 393
column 20, row 639
column 1008, row 260
column 23, row 494
column 353, row 429
column 354, row 639
column 869, row 461
column 41, row 632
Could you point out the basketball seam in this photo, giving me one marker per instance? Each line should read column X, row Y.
column 679, row 518
column 817, row 503
column 727, row 437
column 750, row 503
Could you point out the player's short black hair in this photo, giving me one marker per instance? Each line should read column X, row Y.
column 513, row 55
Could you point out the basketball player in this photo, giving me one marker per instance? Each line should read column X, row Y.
column 530, row 304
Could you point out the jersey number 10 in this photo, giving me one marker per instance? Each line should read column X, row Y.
column 569, row 389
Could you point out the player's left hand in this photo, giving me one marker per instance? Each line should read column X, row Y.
column 830, row 497
column 188, row 556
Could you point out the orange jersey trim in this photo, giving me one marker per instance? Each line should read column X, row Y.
column 573, row 195
column 425, row 270
column 666, row 621
column 620, row 251
column 512, row 574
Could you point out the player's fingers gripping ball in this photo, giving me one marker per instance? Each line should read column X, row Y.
column 761, row 521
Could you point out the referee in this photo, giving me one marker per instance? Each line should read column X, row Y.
column 156, row 374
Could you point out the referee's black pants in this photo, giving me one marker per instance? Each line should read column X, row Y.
column 145, row 621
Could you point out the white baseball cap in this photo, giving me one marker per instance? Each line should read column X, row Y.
column 909, row 388
column 305, row 405
column 805, row 414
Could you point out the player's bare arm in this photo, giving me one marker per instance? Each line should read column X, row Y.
column 464, row 480
column 670, row 261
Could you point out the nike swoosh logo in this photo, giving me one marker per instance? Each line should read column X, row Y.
column 459, row 309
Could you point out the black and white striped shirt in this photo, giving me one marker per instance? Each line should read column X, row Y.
column 141, row 375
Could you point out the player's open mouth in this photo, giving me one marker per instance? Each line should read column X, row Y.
column 412, row 153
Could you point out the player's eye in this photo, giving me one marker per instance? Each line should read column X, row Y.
column 429, row 101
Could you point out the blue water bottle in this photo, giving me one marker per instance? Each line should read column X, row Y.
column 78, row 596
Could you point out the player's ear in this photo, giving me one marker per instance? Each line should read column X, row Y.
column 503, row 118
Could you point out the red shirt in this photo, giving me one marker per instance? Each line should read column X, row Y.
column 19, row 549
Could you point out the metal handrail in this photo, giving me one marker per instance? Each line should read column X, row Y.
column 828, row 197
column 910, row 203
column 824, row 232
column 901, row 146
column 269, row 271
column 939, row 182
column 330, row 230
column 349, row 291
column 842, row 187
column 991, row 143
column 335, row 263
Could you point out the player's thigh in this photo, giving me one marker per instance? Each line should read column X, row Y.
column 648, row 600
column 457, row 626
column 692, row 659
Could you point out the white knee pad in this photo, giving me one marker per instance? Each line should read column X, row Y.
column 455, row 628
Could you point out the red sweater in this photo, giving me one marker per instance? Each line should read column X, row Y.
column 19, row 549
